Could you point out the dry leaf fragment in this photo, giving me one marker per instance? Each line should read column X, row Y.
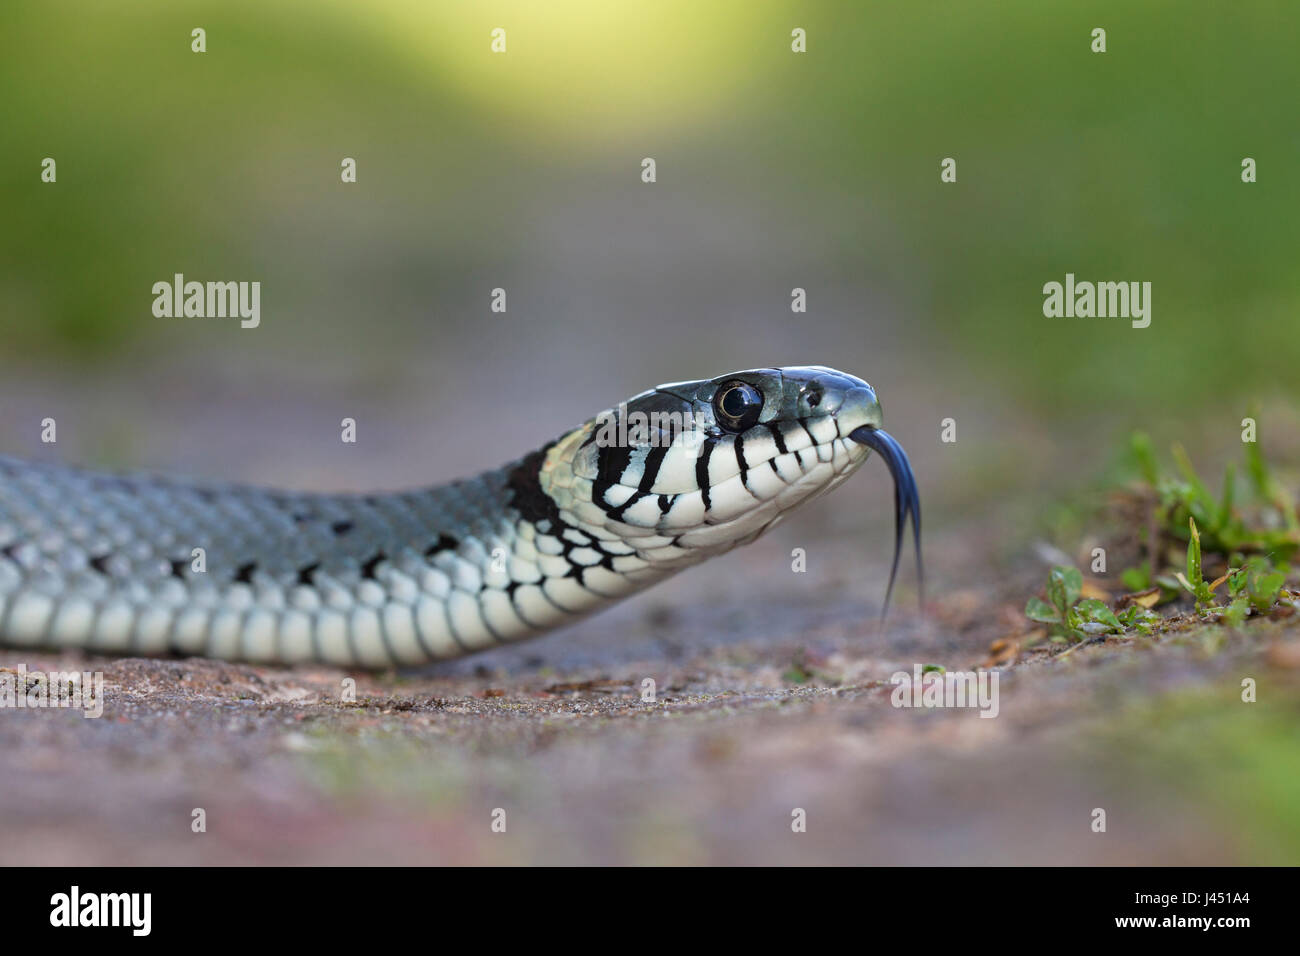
column 1091, row 589
column 1223, row 577
column 1002, row 651
column 1148, row 598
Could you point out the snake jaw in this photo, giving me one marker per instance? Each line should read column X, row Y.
column 906, row 501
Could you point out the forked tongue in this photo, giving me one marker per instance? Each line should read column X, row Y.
column 906, row 501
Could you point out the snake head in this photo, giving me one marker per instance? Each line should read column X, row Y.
column 691, row 469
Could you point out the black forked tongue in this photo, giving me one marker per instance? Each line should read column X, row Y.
column 906, row 501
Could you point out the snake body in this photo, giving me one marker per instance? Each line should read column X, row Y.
column 146, row 565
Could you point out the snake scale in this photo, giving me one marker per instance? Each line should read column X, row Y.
column 673, row 476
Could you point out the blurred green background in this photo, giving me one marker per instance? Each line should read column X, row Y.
column 775, row 170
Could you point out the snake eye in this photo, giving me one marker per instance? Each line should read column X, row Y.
column 736, row 406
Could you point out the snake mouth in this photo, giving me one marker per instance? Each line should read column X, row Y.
column 906, row 501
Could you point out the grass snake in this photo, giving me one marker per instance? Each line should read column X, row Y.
column 667, row 479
